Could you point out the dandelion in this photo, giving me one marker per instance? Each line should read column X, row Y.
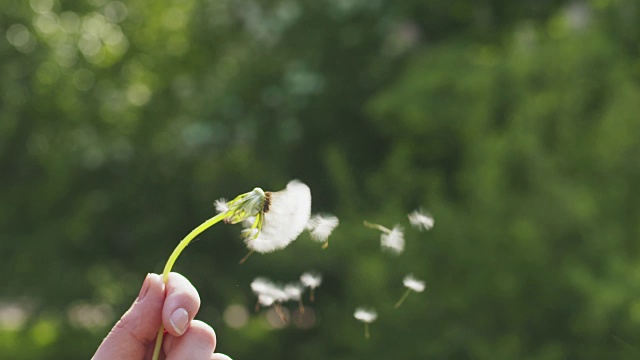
column 412, row 284
column 421, row 220
column 367, row 316
column 320, row 227
column 312, row 281
column 390, row 239
column 275, row 220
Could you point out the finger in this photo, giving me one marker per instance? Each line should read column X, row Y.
column 218, row 356
column 198, row 342
column 180, row 306
column 138, row 327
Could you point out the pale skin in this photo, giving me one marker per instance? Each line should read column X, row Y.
column 134, row 336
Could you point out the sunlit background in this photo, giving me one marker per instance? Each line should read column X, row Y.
column 515, row 123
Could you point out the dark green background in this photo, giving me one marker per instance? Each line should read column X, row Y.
column 516, row 123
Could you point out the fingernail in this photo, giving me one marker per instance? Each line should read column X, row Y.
column 179, row 320
column 145, row 288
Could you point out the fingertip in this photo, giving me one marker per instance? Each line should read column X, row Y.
column 181, row 304
column 198, row 342
column 218, row 356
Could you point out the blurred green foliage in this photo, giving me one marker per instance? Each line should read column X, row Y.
column 515, row 123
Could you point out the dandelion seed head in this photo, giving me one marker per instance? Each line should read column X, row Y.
column 421, row 220
column 311, row 280
column 288, row 214
column 365, row 315
column 321, row 227
column 248, row 222
column 394, row 240
column 413, row 283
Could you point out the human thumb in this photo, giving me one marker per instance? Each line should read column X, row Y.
column 131, row 337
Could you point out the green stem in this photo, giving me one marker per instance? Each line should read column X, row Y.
column 377, row 227
column 402, row 299
column 366, row 331
column 172, row 260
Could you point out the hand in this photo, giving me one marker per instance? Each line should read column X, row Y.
column 174, row 305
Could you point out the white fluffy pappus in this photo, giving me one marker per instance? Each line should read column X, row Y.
column 365, row 315
column 393, row 240
column 320, row 227
column 293, row 291
column 285, row 218
column 413, row 283
column 221, row 205
column 311, row 280
column 421, row 220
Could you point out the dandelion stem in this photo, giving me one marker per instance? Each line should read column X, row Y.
column 172, row 260
column 280, row 313
column 300, row 306
column 377, row 227
column 366, row 330
column 246, row 257
column 312, row 297
column 326, row 244
column 402, row 299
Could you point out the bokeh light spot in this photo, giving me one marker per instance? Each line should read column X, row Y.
column 138, row 94
column 41, row 6
column 19, row 36
column 83, row 79
column 236, row 316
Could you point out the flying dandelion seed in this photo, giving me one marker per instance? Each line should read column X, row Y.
column 390, row 239
column 262, row 287
column 294, row 293
column 312, row 281
column 270, row 294
column 367, row 316
column 320, row 227
column 412, row 284
column 421, row 220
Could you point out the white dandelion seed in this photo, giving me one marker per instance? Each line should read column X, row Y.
column 394, row 240
column 321, row 226
column 367, row 316
column 312, row 281
column 294, row 293
column 412, row 284
column 268, row 293
column 221, row 205
column 261, row 285
column 390, row 239
column 421, row 220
